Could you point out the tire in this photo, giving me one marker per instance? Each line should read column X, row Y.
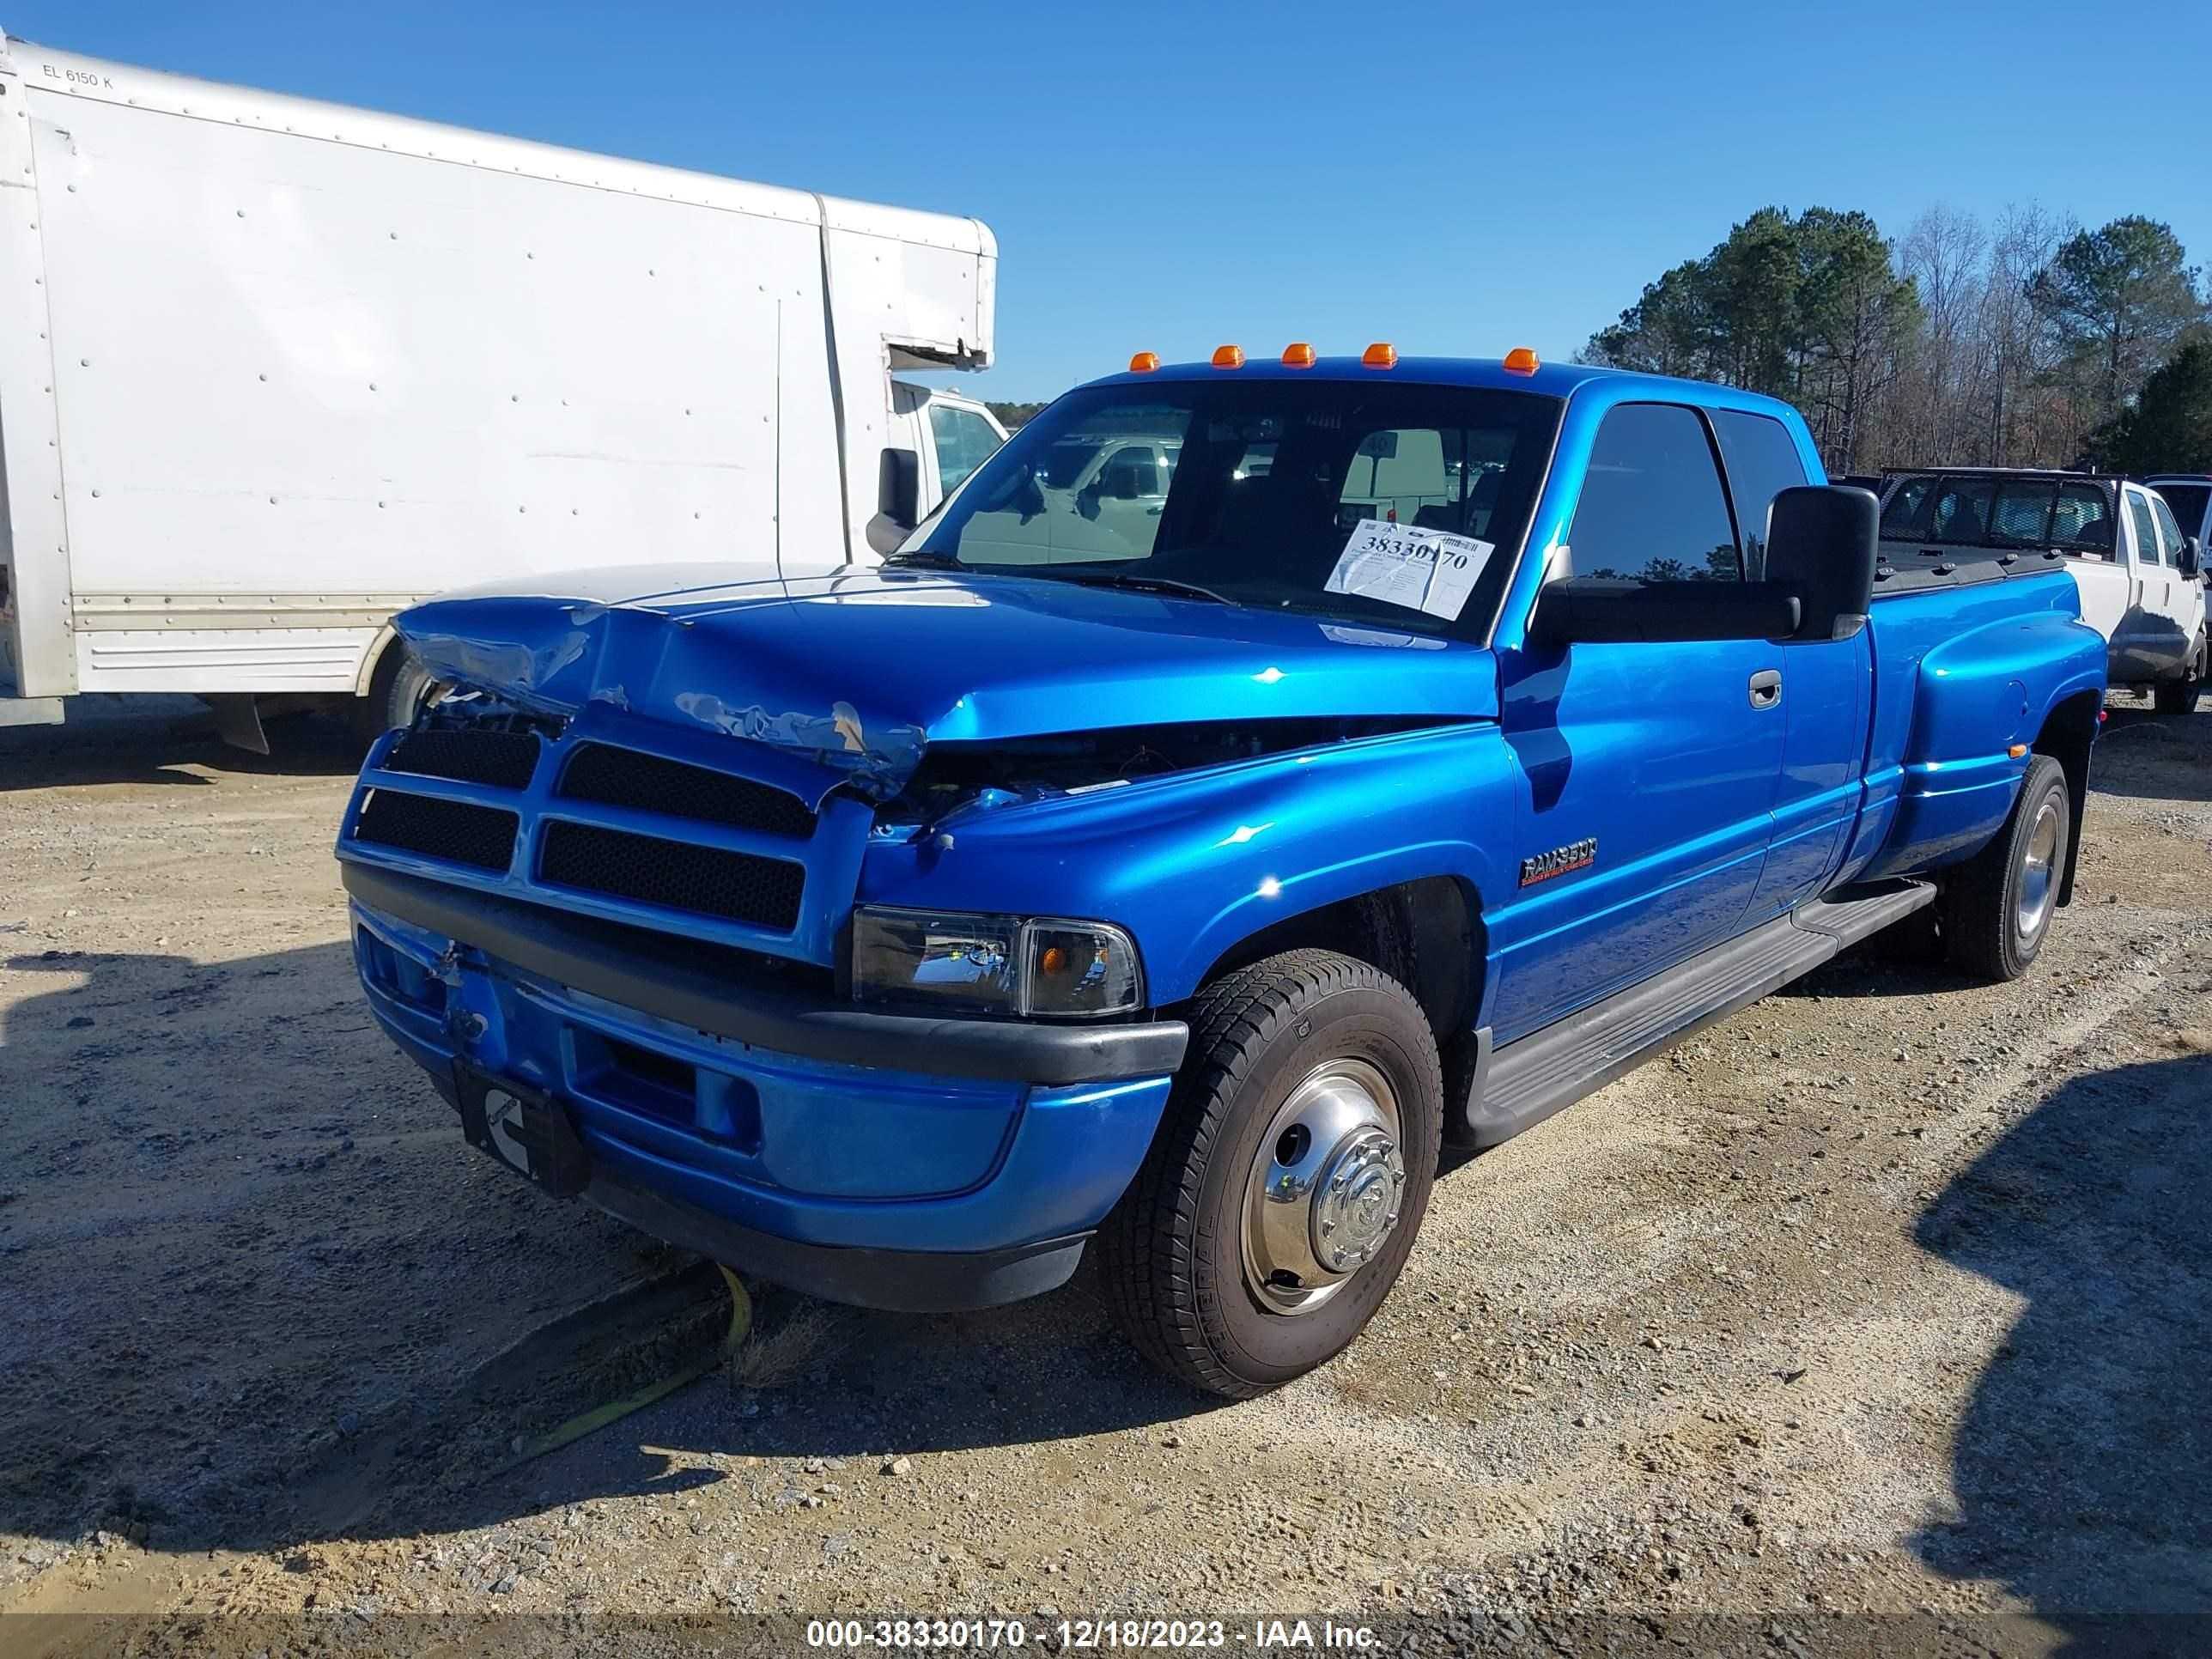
column 1175, row 1257
column 2179, row 696
column 1997, row 906
column 396, row 695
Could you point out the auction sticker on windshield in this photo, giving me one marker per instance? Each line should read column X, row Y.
column 1427, row 570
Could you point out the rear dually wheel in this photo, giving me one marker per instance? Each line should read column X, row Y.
column 1998, row 904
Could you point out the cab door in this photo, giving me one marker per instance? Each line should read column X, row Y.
column 1647, row 771
column 2188, row 589
column 2150, row 641
column 1826, row 687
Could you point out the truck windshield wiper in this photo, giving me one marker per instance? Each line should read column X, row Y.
column 1152, row 585
column 1058, row 573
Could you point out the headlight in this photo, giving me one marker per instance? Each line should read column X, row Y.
column 993, row 964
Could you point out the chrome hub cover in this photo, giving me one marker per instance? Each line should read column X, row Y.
column 2039, row 853
column 1356, row 1201
column 1326, row 1187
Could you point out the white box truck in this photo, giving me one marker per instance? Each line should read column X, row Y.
column 273, row 369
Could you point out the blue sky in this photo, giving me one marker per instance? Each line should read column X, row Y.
column 1458, row 178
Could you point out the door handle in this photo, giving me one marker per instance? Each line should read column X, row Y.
column 1766, row 688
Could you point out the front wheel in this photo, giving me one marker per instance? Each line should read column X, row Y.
column 1291, row 1168
column 397, row 694
column 1997, row 906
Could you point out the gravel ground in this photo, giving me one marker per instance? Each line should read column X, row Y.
column 1873, row 1318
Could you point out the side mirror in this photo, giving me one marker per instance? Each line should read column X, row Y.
column 1822, row 543
column 898, row 500
column 1606, row 610
column 2192, row 556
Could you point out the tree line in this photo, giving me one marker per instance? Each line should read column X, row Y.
column 2028, row 341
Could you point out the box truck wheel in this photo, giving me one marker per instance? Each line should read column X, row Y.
column 397, row 692
column 1997, row 905
column 1290, row 1172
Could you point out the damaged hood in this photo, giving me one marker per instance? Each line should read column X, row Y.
column 862, row 669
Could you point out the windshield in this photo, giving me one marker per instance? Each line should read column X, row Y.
column 1062, row 466
column 1379, row 502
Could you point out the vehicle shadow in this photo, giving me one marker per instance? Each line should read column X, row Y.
column 2146, row 756
column 2084, row 1462
column 160, row 742
column 1882, row 967
column 260, row 1292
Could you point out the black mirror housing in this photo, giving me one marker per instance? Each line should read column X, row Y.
column 898, row 488
column 1606, row 610
column 898, row 500
column 2192, row 556
column 1822, row 541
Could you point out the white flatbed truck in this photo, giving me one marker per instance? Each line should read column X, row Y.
column 272, row 369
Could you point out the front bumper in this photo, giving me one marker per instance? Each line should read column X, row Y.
column 917, row 1164
column 903, row 1281
column 612, row 963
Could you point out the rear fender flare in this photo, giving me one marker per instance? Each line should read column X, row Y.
column 2075, row 704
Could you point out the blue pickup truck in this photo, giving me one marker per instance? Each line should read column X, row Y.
column 1257, row 775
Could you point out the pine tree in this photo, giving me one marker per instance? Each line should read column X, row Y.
column 2169, row 429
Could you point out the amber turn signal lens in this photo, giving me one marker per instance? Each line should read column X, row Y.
column 1144, row 363
column 1299, row 355
column 2017, row 750
column 1054, row 960
column 1520, row 361
column 1380, row 354
column 1229, row 356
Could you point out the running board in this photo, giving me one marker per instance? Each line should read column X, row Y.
column 1527, row 1080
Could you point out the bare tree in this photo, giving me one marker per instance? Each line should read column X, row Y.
column 2027, row 414
column 1931, row 413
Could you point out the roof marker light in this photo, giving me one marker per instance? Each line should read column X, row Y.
column 1297, row 355
column 1229, row 356
column 1380, row 354
column 1520, row 361
column 1144, row 363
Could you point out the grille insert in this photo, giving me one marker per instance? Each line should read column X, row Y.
column 651, row 783
column 454, row 830
column 673, row 874
column 503, row 760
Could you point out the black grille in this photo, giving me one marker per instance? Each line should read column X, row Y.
column 504, row 760
column 649, row 783
column 737, row 886
column 451, row 830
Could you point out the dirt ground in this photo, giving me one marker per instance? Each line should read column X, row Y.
column 1876, row 1316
